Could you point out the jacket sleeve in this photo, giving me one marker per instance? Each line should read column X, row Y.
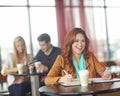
column 37, row 56
column 55, row 73
column 100, row 68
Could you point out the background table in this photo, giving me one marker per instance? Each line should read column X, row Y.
column 34, row 77
column 29, row 74
column 93, row 89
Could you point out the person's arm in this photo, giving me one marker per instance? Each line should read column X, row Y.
column 107, row 74
column 100, row 68
column 55, row 74
column 10, row 70
column 37, row 56
column 6, row 67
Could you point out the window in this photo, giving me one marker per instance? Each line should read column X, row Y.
column 29, row 19
column 41, row 22
column 105, row 15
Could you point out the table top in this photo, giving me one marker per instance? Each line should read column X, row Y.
column 80, row 90
column 29, row 74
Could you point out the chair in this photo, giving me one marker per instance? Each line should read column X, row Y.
column 3, row 80
column 5, row 94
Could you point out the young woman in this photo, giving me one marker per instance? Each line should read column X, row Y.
column 18, row 86
column 75, row 57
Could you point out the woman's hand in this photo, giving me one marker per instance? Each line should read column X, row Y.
column 107, row 76
column 14, row 70
column 65, row 79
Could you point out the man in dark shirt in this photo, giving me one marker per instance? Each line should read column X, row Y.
column 47, row 54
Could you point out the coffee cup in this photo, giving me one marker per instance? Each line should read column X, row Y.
column 20, row 68
column 37, row 64
column 83, row 77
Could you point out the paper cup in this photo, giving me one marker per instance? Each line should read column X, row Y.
column 37, row 65
column 20, row 68
column 84, row 77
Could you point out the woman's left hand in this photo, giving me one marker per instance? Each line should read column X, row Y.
column 107, row 76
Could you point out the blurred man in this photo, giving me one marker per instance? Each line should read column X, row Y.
column 47, row 54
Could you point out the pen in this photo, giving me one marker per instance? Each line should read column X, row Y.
column 64, row 71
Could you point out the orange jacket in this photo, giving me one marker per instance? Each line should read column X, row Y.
column 92, row 64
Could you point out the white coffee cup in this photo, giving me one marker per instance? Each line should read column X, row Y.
column 20, row 68
column 84, row 77
column 37, row 65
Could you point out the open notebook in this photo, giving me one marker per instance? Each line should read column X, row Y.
column 100, row 80
column 93, row 81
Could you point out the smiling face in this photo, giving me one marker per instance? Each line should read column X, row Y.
column 79, row 44
column 45, row 47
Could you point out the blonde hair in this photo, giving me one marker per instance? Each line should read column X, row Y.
column 15, row 52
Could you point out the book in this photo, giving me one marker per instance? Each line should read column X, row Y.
column 76, row 82
column 100, row 80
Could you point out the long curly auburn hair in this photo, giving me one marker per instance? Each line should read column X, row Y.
column 69, row 40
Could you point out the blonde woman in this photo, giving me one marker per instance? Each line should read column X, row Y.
column 18, row 86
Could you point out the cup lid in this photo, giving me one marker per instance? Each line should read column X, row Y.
column 83, row 72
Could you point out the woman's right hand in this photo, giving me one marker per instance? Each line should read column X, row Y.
column 13, row 70
column 65, row 79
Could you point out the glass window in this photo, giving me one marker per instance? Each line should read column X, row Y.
column 100, row 33
column 43, row 20
column 76, row 17
column 113, row 3
column 13, row 22
column 42, row 2
column 13, row 2
column 113, row 17
column 93, row 2
column 71, row 2
column 95, row 20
